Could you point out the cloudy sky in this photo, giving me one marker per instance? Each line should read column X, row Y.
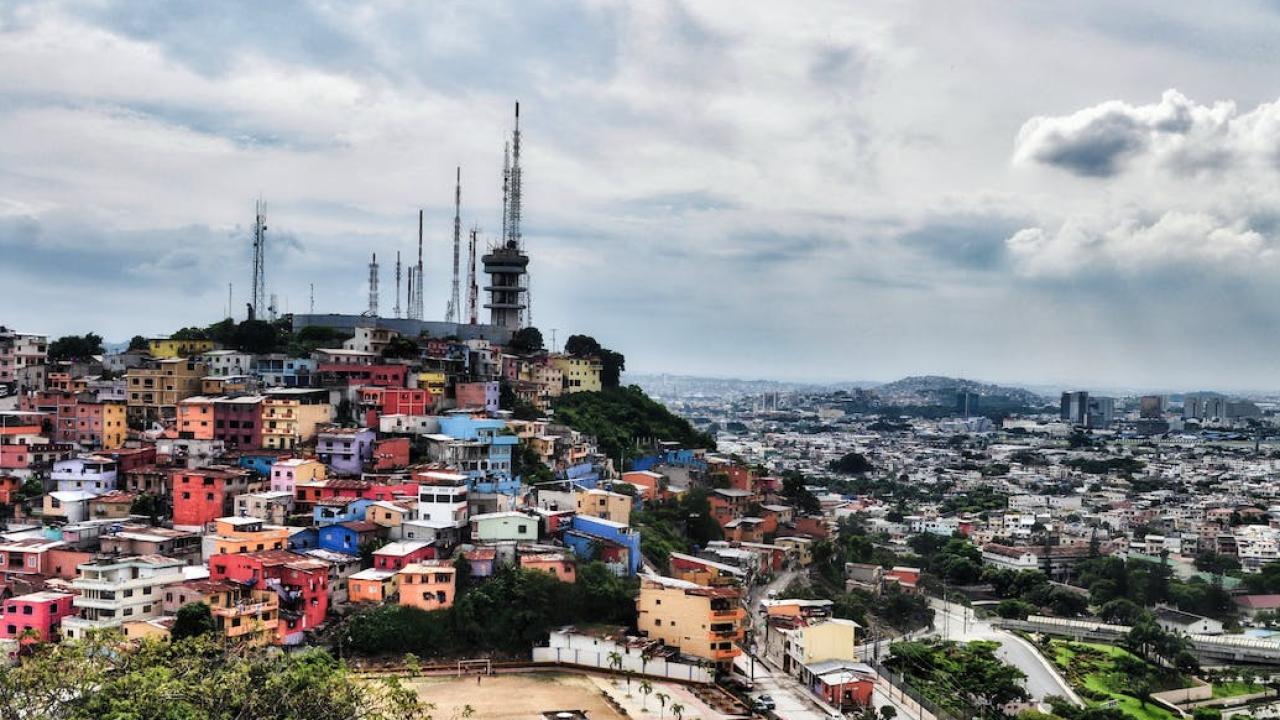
column 1073, row 193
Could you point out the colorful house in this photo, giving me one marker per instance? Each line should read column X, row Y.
column 504, row 526
column 202, row 495
column 616, row 544
column 372, row 586
column 428, row 586
column 345, row 450
column 171, row 348
column 38, row 615
column 349, row 537
column 396, row 555
column 703, row 622
column 286, row 474
column 563, row 567
column 301, row 584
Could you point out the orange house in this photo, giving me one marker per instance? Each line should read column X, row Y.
column 428, row 586
column 372, row 586
column 195, row 418
column 561, row 566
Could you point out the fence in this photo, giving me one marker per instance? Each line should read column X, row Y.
column 902, row 685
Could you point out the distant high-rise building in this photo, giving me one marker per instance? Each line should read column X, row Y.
column 1102, row 412
column 1151, row 406
column 1075, row 407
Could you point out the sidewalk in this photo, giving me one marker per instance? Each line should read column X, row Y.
column 694, row 709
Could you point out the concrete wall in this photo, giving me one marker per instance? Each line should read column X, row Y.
column 404, row 326
column 594, row 652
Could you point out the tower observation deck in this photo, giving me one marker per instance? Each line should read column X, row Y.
column 506, row 265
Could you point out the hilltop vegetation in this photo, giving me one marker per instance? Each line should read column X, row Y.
column 621, row 417
column 194, row 679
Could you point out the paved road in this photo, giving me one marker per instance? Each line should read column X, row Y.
column 956, row 622
column 793, row 700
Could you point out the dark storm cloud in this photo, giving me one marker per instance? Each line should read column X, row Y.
column 975, row 242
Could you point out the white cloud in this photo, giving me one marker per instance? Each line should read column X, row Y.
column 1174, row 134
column 1174, row 240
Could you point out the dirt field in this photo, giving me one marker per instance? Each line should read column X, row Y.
column 514, row 697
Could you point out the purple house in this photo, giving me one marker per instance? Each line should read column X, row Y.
column 345, row 450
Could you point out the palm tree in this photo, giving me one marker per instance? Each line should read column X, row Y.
column 677, row 710
column 646, row 687
column 645, row 657
column 615, row 662
column 662, row 704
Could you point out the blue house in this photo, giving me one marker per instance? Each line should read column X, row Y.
column 303, row 539
column 332, row 512
column 348, row 537
column 491, row 460
column 616, row 544
column 583, row 474
column 678, row 458
column 259, row 463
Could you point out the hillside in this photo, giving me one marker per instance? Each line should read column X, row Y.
column 938, row 388
column 620, row 417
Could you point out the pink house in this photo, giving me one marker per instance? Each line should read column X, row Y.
column 28, row 556
column 477, row 395
column 39, row 612
column 287, row 474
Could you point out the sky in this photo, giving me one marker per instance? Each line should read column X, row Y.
column 1037, row 192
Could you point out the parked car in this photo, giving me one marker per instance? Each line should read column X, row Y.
column 739, row 683
column 764, row 703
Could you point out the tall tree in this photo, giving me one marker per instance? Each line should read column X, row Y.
column 75, row 347
column 192, row 620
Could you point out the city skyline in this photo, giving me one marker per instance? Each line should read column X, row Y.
column 1030, row 194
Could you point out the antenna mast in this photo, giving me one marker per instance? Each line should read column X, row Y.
column 455, row 301
column 515, row 238
column 397, row 310
column 473, row 290
column 415, row 293
column 373, row 286
column 313, row 298
column 259, row 284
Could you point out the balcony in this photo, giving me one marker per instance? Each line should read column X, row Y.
column 728, row 613
column 721, row 655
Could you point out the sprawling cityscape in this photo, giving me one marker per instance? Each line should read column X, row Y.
column 926, row 421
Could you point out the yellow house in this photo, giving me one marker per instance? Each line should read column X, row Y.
column 170, row 348
column 234, row 535
column 115, row 427
column 604, row 504
column 799, row 548
column 388, row 514
column 248, row 615
column 290, row 417
column 154, row 392
column 579, row 374
column 434, row 382
column 830, row 640
column 156, row 628
column 704, row 622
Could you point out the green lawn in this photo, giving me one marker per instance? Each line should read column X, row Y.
column 1234, row 688
column 1092, row 667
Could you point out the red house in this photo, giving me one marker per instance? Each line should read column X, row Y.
column 39, row 612
column 394, row 556
column 202, row 495
column 391, row 454
column 390, row 493
column 130, row 458
column 392, row 376
column 301, row 582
